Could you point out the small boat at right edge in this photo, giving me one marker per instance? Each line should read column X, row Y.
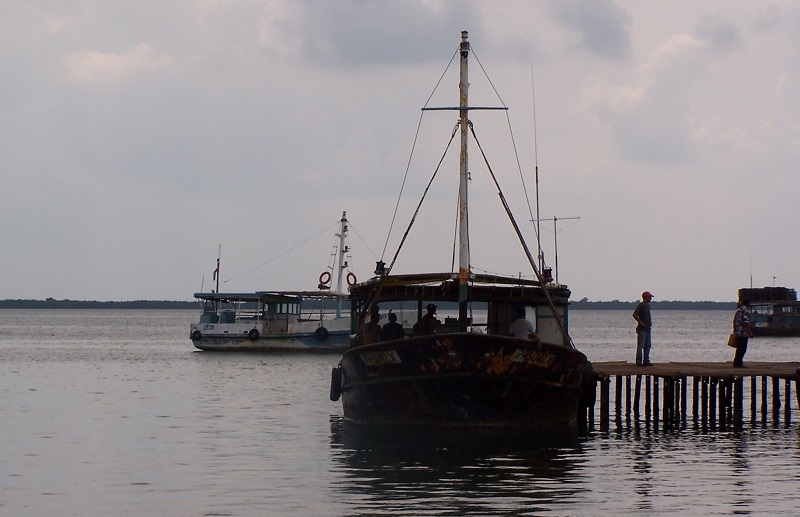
column 470, row 373
column 774, row 311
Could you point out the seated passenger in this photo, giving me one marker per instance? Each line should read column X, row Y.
column 392, row 330
column 371, row 331
column 522, row 328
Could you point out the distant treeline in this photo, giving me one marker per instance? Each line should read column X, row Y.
column 583, row 304
column 50, row 303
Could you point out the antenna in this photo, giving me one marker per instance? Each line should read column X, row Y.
column 555, row 237
column 536, row 177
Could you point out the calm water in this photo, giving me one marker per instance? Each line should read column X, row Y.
column 115, row 413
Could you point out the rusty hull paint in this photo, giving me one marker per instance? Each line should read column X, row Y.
column 463, row 379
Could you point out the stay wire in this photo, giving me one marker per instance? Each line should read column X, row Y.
column 279, row 254
column 564, row 334
column 513, row 143
column 411, row 155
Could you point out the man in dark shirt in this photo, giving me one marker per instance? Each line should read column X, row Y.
column 392, row 330
column 643, row 324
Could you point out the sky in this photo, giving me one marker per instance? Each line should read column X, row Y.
column 140, row 140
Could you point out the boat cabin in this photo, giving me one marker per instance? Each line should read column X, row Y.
column 277, row 310
column 494, row 302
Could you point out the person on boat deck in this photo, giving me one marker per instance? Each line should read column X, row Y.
column 428, row 323
column 392, row 330
column 643, row 324
column 371, row 331
column 522, row 328
column 742, row 330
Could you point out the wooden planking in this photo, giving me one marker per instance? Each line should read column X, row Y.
column 720, row 370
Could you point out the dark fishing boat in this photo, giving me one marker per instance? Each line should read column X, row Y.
column 774, row 311
column 470, row 372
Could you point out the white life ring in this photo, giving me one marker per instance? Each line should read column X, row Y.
column 351, row 279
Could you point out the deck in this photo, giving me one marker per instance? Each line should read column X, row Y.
column 718, row 393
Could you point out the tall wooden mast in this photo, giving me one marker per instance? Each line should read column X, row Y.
column 463, row 213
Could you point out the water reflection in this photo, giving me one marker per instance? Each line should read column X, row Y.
column 421, row 472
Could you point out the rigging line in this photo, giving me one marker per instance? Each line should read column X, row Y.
column 485, row 74
column 566, row 337
column 425, row 193
column 281, row 254
column 353, row 228
column 411, row 155
column 402, row 186
column 514, row 144
column 522, row 176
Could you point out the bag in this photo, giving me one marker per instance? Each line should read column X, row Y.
column 732, row 341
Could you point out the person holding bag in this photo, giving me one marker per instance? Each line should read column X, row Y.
column 742, row 331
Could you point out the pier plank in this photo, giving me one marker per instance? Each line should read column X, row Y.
column 722, row 370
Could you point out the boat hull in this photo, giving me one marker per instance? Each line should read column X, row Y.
column 334, row 341
column 464, row 380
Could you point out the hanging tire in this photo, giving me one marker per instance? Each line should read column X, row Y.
column 336, row 383
column 196, row 335
column 321, row 334
column 252, row 335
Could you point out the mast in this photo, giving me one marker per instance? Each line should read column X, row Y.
column 343, row 250
column 463, row 219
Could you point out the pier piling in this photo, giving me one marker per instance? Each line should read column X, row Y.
column 718, row 394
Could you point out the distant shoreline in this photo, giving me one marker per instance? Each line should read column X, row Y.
column 583, row 304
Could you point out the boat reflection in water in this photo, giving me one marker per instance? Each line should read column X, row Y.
column 455, row 472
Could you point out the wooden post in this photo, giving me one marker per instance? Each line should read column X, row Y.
column 712, row 399
column 638, row 394
column 738, row 395
column 685, row 383
column 704, row 401
column 656, row 382
column 695, row 399
column 628, row 398
column 723, row 407
column 618, row 403
column 764, row 400
column 753, row 398
column 647, row 400
column 605, row 384
column 787, row 408
column 776, row 401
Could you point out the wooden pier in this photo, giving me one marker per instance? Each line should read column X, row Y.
column 713, row 396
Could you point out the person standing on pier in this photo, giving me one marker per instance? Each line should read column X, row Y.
column 742, row 330
column 643, row 337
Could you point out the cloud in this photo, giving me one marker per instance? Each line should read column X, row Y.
column 603, row 28
column 92, row 66
column 355, row 32
column 652, row 118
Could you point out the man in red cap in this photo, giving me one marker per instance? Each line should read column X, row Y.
column 643, row 339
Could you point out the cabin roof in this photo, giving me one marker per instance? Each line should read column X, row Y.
column 268, row 296
column 445, row 287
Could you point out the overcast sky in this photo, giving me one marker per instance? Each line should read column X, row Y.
column 137, row 137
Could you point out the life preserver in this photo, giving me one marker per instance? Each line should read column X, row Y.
column 321, row 334
column 252, row 335
column 196, row 335
column 325, row 277
column 351, row 279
